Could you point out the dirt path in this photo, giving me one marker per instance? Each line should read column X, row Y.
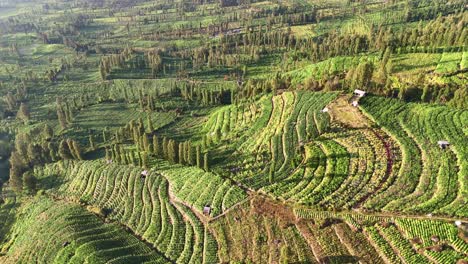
column 384, row 215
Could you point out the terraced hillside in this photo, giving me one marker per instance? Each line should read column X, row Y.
column 48, row 231
column 267, row 136
column 294, row 151
column 430, row 179
column 157, row 207
column 234, row 131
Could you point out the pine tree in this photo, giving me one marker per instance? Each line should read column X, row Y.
column 68, row 114
column 52, row 151
column 156, row 146
column 198, row 156
column 172, row 149
column 149, row 124
column 61, row 114
column 29, row 182
column 23, row 113
column 181, row 153
column 64, row 150
column 190, row 156
column 108, row 154
column 271, row 173
column 77, row 149
column 144, row 161
column 205, row 162
column 164, row 147
column 146, row 143
column 104, row 135
column 35, row 154
column 47, row 132
column 92, row 145
column 17, row 168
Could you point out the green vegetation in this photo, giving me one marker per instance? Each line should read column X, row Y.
column 233, row 131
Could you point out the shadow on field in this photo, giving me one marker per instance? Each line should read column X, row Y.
column 50, row 182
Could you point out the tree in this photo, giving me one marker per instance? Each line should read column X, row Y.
column 17, row 168
column 271, row 173
column 61, row 114
column 29, row 182
column 144, row 161
column 172, row 151
column 64, row 150
column 181, row 153
column 190, row 156
column 149, row 124
column 198, row 156
column 426, row 93
column 47, row 132
column 52, row 151
column 156, row 146
column 35, row 154
column 164, row 147
column 23, row 113
column 92, row 145
column 362, row 75
column 206, row 162
column 146, row 144
column 76, row 149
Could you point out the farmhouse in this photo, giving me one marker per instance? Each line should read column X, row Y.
column 206, row 210
column 443, row 144
column 359, row 93
column 355, row 103
column 144, row 174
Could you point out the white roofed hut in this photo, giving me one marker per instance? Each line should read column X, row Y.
column 443, row 144
column 206, row 210
column 144, row 174
column 324, row 110
column 355, row 103
column 359, row 93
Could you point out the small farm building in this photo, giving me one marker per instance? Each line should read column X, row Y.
column 443, row 144
column 359, row 93
column 206, row 210
column 355, row 103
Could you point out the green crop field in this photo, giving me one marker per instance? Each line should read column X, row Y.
column 233, row 131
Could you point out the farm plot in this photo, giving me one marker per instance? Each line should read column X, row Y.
column 8, row 216
column 244, row 235
column 439, row 240
column 429, row 174
column 145, row 204
column 60, row 232
column 397, row 239
column 115, row 116
column 273, row 141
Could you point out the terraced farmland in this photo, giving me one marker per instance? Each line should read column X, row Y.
column 72, row 235
column 430, row 179
column 156, row 208
column 234, row 131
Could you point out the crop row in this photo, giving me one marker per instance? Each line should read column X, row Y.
column 143, row 204
column 428, row 175
column 59, row 232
